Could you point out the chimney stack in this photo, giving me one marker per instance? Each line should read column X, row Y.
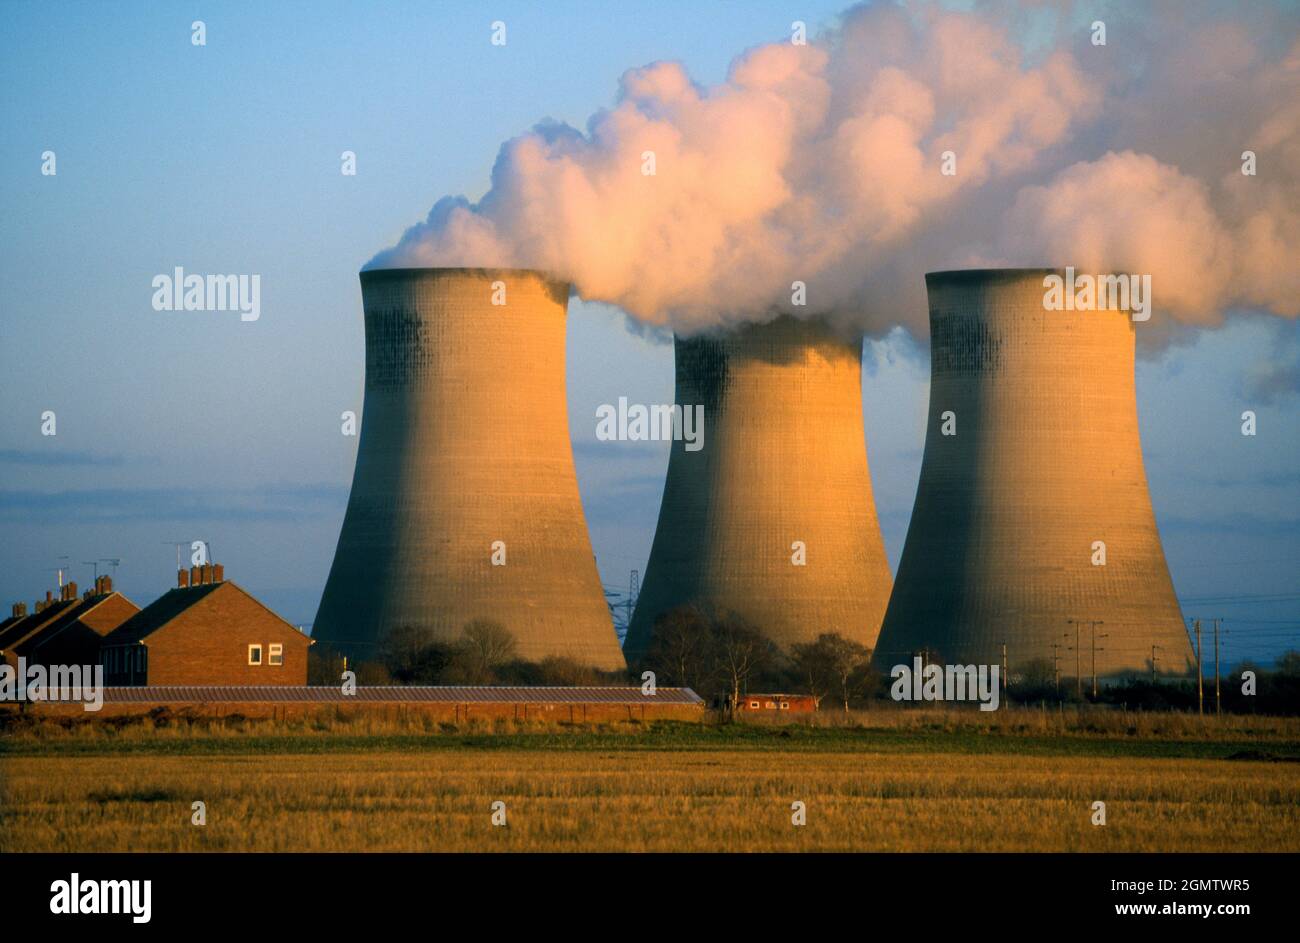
column 196, row 576
column 20, row 610
column 207, row 573
column 218, row 573
column 182, row 578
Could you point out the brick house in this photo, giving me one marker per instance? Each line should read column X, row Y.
column 75, row 636
column 206, row 631
column 21, row 630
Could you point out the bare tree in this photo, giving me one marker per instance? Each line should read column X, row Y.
column 484, row 646
column 739, row 651
column 680, row 645
column 813, row 665
column 834, row 663
column 410, row 655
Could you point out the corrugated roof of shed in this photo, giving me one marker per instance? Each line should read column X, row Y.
column 397, row 694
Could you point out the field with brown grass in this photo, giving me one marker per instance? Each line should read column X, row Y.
column 891, row 781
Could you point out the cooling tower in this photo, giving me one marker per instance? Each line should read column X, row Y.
column 1045, row 462
column 464, row 463
column 784, row 460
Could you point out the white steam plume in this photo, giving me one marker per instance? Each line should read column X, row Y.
column 821, row 163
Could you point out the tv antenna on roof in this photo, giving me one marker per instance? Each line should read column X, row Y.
column 207, row 549
column 92, row 563
column 113, row 562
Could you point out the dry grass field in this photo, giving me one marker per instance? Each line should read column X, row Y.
column 906, row 782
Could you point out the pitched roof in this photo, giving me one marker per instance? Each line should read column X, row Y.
column 158, row 613
column 71, row 616
column 23, row 629
column 449, row 694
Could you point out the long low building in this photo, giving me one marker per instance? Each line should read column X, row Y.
column 456, row 704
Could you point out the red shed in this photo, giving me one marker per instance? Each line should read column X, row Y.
column 777, row 703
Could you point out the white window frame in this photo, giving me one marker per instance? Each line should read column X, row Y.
column 753, row 705
column 275, row 654
column 255, row 647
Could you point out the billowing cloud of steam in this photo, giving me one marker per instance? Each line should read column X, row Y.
column 820, row 163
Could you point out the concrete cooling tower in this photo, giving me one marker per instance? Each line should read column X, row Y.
column 464, row 463
column 1043, row 468
column 784, row 460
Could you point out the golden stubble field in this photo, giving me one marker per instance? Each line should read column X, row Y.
column 645, row 800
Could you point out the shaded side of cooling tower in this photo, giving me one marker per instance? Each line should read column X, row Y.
column 783, row 460
column 464, row 458
column 1045, row 462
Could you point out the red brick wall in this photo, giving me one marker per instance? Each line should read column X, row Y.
column 208, row 644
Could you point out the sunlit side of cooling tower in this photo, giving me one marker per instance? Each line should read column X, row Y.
column 465, row 455
column 784, row 460
column 1045, row 463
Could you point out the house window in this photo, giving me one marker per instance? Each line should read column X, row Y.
column 753, row 705
column 276, row 654
column 255, row 654
column 785, row 705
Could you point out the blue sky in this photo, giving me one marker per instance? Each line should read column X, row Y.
column 225, row 158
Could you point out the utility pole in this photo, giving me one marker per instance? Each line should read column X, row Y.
column 1154, row 648
column 1004, row 671
column 1218, row 705
column 633, row 590
column 1078, row 656
column 1056, row 666
column 1094, row 655
column 1200, row 676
